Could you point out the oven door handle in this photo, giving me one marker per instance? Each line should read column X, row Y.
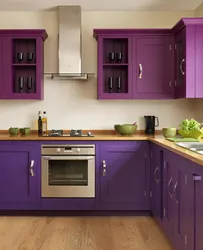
column 76, row 158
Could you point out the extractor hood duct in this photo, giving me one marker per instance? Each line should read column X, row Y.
column 70, row 44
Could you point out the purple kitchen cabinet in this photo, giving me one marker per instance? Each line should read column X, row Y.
column 146, row 69
column 156, row 63
column 180, row 62
column 188, row 33
column 183, row 203
column 22, row 64
column 178, row 201
column 2, row 86
column 115, row 67
column 124, row 176
column 168, row 206
column 156, row 182
column 153, row 67
column 19, row 179
column 198, row 206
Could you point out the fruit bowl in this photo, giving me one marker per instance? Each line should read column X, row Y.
column 195, row 133
column 125, row 129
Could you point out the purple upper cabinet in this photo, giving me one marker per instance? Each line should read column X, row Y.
column 124, row 176
column 140, row 66
column 22, row 64
column 188, row 64
column 2, row 83
column 153, row 67
column 115, row 67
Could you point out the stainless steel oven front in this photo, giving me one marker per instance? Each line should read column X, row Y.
column 68, row 171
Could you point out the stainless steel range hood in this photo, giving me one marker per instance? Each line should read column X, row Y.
column 70, row 44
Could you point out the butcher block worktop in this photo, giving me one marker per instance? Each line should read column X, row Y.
column 111, row 136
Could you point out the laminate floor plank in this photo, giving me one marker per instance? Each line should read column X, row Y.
column 81, row 233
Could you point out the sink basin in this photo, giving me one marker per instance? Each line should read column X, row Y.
column 192, row 146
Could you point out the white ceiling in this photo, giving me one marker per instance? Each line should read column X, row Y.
column 102, row 4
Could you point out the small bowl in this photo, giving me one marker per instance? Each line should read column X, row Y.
column 13, row 131
column 169, row 132
column 25, row 131
column 125, row 129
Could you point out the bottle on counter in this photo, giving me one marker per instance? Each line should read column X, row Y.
column 39, row 123
column 44, row 123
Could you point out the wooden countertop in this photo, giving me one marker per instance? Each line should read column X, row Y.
column 111, row 136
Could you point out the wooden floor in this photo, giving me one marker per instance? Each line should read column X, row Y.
column 81, row 233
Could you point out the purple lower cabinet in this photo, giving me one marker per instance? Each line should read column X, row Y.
column 198, row 206
column 20, row 175
column 68, row 204
column 124, row 176
column 156, row 182
column 183, row 203
column 178, row 219
column 168, row 183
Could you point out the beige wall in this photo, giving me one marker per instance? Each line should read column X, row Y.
column 74, row 105
column 199, row 11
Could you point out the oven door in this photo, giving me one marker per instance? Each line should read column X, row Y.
column 68, row 176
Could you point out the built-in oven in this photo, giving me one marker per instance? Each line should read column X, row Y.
column 68, row 171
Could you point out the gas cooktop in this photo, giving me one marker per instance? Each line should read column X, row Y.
column 73, row 133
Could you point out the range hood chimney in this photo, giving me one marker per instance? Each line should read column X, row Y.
column 70, row 44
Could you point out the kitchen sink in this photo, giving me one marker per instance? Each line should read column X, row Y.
column 192, row 146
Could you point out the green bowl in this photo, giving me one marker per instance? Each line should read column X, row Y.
column 125, row 129
column 13, row 131
column 25, row 131
column 169, row 132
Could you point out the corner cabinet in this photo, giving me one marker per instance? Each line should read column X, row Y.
column 151, row 63
column 124, row 172
column 22, row 64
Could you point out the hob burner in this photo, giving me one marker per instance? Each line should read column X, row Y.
column 73, row 133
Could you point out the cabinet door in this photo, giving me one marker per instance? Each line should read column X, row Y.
column 156, row 183
column 19, row 176
column 124, row 176
column 2, row 77
column 178, row 200
column 168, row 184
column 153, row 72
column 180, row 64
column 198, row 207
column 183, row 200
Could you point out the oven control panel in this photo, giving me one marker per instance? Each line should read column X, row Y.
column 68, row 150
